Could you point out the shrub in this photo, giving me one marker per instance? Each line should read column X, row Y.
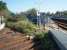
column 25, row 26
column 10, row 24
column 39, row 35
column 46, row 42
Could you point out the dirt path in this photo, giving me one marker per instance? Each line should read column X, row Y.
column 14, row 41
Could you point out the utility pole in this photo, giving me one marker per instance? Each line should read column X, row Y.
column 38, row 15
column 38, row 19
column 38, row 4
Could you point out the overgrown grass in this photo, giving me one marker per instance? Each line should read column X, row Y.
column 22, row 26
column 45, row 42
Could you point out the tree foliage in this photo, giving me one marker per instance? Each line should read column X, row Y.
column 3, row 7
column 32, row 12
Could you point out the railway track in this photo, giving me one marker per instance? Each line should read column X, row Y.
column 61, row 23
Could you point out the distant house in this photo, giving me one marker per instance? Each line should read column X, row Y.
column 2, row 23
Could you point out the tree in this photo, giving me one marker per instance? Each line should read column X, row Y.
column 2, row 7
column 32, row 15
column 48, row 14
column 65, row 13
column 32, row 12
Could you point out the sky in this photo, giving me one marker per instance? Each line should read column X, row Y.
column 17, row 6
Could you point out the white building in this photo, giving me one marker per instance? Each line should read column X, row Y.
column 2, row 23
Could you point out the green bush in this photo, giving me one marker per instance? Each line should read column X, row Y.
column 39, row 35
column 10, row 24
column 22, row 26
column 46, row 42
column 25, row 26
